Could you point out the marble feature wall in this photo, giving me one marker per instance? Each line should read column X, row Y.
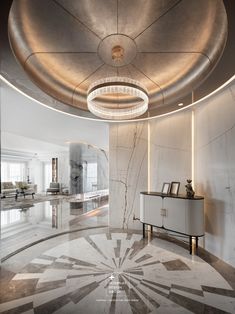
column 215, row 171
column 77, row 168
column 80, row 156
column 161, row 148
column 128, row 149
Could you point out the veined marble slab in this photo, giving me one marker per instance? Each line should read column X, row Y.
column 144, row 155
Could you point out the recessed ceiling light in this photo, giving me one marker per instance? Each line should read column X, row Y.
column 180, row 104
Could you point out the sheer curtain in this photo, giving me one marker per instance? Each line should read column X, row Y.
column 13, row 171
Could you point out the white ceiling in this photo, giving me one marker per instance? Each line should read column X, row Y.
column 22, row 116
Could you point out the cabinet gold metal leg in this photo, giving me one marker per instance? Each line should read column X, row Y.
column 197, row 245
column 190, row 245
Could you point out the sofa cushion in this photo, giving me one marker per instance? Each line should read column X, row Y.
column 7, row 185
column 21, row 184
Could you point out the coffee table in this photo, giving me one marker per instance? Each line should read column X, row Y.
column 25, row 193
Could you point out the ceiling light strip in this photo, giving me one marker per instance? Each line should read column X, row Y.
column 3, row 79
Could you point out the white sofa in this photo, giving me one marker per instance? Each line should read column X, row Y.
column 8, row 189
column 30, row 188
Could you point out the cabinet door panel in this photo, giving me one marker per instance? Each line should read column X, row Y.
column 175, row 214
column 195, row 217
column 150, row 210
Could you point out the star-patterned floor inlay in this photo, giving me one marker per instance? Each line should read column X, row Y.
column 117, row 273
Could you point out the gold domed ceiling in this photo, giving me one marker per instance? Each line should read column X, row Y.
column 168, row 46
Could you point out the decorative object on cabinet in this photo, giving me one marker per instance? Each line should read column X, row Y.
column 174, row 190
column 166, row 188
column 189, row 189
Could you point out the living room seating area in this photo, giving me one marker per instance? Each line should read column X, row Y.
column 20, row 188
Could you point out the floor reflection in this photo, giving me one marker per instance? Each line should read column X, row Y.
column 23, row 226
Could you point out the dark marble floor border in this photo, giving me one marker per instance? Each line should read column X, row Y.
column 3, row 259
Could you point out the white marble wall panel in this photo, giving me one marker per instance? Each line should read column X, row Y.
column 102, row 170
column 170, row 151
column 215, row 171
column 169, row 159
column 215, row 116
column 127, row 172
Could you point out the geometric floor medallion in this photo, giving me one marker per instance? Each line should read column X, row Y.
column 117, row 273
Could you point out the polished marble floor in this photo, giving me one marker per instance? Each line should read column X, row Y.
column 31, row 223
column 104, row 270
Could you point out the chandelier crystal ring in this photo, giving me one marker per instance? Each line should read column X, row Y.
column 117, row 110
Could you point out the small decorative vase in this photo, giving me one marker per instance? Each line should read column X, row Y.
column 189, row 189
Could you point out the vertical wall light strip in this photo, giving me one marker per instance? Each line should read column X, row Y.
column 193, row 145
column 149, row 157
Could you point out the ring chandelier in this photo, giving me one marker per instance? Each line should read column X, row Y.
column 122, row 110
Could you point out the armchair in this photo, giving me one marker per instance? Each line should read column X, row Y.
column 53, row 188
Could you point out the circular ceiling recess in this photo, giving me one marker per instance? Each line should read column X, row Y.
column 168, row 46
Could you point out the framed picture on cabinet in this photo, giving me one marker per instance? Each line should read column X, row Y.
column 166, row 188
column 174, row 189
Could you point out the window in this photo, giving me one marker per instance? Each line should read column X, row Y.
column 47, row 174
column 13, row 171
column 91, row 177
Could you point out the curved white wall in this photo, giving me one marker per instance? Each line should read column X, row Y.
column 215, row 170
column 145, row 154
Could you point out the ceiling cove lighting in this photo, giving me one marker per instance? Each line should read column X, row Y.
column 198, row 102
column 119, row 109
